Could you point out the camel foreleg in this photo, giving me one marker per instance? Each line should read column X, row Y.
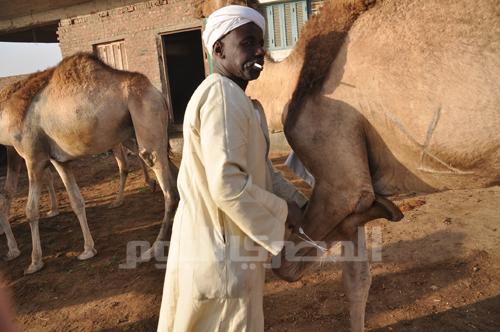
column 35, row 175
column 14, row 162
column 78, row 206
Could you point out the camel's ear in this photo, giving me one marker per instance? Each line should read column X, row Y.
column 219, row 49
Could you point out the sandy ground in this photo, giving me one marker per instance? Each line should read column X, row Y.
column 440, row 267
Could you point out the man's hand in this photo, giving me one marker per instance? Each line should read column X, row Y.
column 294, row 218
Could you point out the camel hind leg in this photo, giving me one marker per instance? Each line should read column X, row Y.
column 330, row 140
column 54, row 206
column 131, row 145
column 147, row 179
column 150, row 118
column 357, row 279
column 123, row 168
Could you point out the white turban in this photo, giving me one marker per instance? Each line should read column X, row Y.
column 226, row 19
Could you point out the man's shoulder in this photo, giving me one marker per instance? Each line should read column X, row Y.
column 221, row 88
column 217, row 80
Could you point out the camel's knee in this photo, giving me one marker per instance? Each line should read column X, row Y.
column 32, row 213
column 380, row 208
column 78, row 205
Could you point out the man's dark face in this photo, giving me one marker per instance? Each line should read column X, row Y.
column 236, row 52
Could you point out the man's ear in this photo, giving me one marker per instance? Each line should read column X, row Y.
column 219, row 49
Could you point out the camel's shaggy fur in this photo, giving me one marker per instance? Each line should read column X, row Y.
column 319, row 43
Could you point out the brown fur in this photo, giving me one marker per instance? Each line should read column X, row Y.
column 76, row 70
column 320, row 42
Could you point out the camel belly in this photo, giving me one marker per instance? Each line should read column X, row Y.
column 77, row 128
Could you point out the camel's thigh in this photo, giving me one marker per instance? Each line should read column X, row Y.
column 14, row 163
column 330, row 141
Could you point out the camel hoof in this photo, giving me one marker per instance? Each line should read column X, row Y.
column 89, row 253
column 156, row 251
column 52, row 213
column 34, row 267
column 12, row 254
column 116, row 204
column 147, row 256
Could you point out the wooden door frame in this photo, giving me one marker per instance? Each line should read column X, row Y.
column 162, row 60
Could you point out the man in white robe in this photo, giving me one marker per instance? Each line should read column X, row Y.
column 228, row 218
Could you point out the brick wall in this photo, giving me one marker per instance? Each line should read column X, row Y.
column 138, row 25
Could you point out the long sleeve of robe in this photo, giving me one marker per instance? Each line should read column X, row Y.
column 228, row 219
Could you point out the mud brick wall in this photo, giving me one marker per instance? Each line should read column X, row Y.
column 138, row 25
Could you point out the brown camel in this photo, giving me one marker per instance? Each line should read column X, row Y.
column 386, row 98
column 84, row 107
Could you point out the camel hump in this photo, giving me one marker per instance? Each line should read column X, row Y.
column 82, row 69
column 86, row 69
column 74, row 70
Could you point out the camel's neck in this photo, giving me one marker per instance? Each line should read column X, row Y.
column 4, row 130
column 275, row 87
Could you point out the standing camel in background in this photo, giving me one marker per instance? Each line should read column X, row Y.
column 84, row 107
column 386, row 98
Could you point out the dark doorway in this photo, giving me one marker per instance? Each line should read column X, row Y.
column 185, row 68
